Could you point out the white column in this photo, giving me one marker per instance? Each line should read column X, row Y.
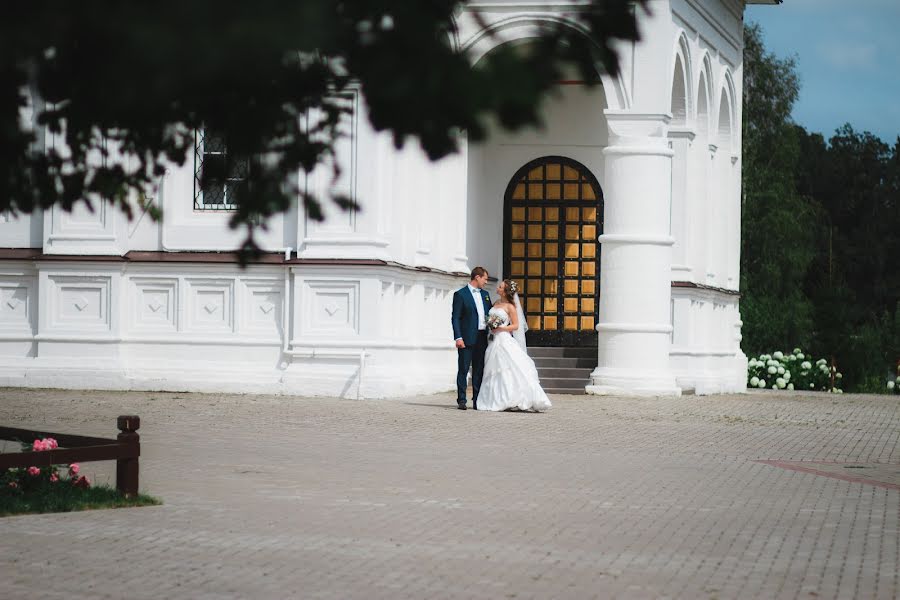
column 427, row 207
column 82, row 230
column 460, row 221
column 636, row 260
column 448, row 191
column 460, row 206
column 714, row 216
column 734, row 224
column 682, row 211
column 724, row 227
column 698, row 192
column 363, row 155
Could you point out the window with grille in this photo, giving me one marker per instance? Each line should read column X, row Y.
column 217, row 173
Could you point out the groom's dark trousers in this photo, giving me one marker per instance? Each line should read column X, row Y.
column 470, row 356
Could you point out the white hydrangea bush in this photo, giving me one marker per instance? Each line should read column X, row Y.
column 893, row 385
column 794, row 371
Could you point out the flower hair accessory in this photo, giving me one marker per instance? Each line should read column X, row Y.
column 512, row 286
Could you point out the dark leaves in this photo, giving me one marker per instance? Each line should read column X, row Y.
column 122, row 87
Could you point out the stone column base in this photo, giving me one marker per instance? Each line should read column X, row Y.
column 631, row 383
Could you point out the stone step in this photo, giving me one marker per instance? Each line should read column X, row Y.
column 566, row 391
column 549, row 362
column 559, row 352
column 564, row 373
column 564, row 370
column 568, row 383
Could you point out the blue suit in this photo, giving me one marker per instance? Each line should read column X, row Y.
column 464, row 319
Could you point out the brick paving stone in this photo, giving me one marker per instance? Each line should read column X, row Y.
column 283, row 497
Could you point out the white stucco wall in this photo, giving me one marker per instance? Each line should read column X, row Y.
column 359, row 329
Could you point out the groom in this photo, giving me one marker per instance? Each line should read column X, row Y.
column 470, row 308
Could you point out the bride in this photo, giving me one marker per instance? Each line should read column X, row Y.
column 510, row 377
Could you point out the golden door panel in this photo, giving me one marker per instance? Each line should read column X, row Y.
column 552, row 212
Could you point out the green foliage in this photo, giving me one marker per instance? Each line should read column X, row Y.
column 821, row 231
column 770, row 144
column 793, row 371
column 54, row 489
column 56, row 497
column 271, row 77
column 855, row 280
column 779, row 226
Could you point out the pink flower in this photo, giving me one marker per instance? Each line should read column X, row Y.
column 54, row 478
column 82, row 482
column 74, row 468
column 44, row 444
column 34, row 471
column 13, row 484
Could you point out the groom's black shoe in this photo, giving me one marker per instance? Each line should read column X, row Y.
column 461, row 405
column 474, row 405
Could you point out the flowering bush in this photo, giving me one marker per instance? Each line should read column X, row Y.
column 20, row 481
column 794, row 371
column 893, row 385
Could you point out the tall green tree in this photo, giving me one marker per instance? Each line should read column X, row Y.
column 779, row 226
column 144, row 76
column 855, row 280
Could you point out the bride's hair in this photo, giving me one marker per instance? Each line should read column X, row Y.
column 510, row 289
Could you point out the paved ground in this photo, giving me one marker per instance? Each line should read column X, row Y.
column 602, row 497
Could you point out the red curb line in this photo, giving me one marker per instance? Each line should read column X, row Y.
column 851, row 478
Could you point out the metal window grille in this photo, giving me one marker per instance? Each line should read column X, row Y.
column 217, row 174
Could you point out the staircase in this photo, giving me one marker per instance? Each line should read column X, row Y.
column 564, row 370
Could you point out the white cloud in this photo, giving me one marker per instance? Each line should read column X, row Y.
column 849, row 56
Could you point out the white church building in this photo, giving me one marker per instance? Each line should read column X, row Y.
column 620, row 219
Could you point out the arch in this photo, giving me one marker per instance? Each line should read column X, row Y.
column 702, row 107
column 552, row 219
column 727, row 112
column 681, row 92
column 704, row 95
column 520, row 29
column 679, row 105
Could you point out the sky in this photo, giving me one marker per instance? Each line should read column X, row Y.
column 848, row 59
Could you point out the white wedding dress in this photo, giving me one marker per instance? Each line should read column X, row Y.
column 510, row 377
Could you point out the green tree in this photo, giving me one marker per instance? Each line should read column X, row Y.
column 855, row 281
column 145, row 76
column 779, row 227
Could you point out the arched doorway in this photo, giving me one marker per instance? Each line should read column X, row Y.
column 552, row 215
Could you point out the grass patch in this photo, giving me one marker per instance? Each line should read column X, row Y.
column 61, row 497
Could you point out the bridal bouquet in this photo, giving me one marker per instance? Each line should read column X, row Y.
column 494, row 321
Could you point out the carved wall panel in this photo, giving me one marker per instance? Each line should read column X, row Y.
column 210, row 305
column 17, row 297
column 155, row 304
column 263, row 307
column 78, row 303
column 330, row 307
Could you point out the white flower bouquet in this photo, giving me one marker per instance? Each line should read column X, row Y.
column 494, row 321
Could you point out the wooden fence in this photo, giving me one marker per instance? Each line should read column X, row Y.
column 125, row 450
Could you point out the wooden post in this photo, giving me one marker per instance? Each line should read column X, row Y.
column 127, row 468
